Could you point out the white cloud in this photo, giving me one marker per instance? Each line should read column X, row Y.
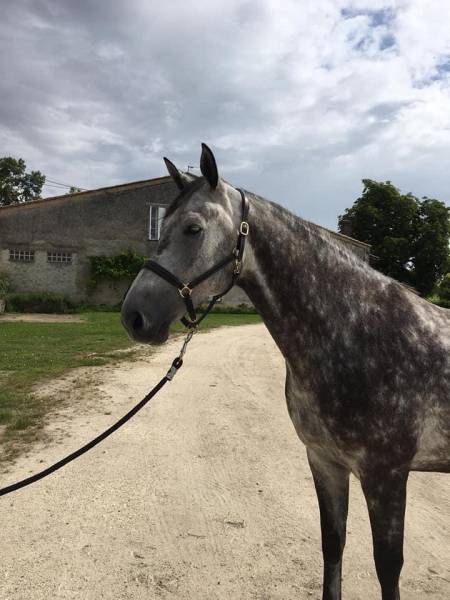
column 300, row 100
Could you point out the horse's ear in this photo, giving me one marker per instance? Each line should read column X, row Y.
column 208, row 167
column 180, row 178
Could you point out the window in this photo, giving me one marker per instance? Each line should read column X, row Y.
column 21, row 255
column 62, row 258
column 156, row 216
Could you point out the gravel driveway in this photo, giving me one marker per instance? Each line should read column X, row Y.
column 205, row 494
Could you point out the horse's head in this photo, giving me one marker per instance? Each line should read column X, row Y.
column 199, row 229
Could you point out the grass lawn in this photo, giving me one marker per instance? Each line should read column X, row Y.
column 33, row 352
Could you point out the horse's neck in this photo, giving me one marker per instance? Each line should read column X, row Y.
column 304, row 284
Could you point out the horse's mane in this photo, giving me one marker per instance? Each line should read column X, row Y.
column 316, row 233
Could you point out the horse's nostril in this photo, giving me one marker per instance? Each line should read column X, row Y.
column 137, row 321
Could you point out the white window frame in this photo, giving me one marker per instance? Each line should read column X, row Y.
column 156, row 215
column 59, row 258
column 17, row 255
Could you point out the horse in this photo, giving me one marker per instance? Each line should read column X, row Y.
column 367, row 360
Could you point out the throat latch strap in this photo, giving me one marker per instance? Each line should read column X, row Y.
column 185, row 289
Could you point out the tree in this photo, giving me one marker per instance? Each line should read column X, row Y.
column 74, row 190
column 409, row 237
column 385, row 219
column 16, row 185
column 431, row 250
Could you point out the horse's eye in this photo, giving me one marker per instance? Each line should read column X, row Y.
column 193, row 229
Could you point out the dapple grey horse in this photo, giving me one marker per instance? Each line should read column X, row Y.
column 367, row 361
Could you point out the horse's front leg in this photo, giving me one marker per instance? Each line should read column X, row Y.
column 332, row 482
column 385, row 492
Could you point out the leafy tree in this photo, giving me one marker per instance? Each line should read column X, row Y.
column 409, row 237
column 74, row 190
column 385, row 219
column 431, row 250
column 16, row 185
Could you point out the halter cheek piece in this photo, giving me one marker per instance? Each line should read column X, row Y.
column 185, row 289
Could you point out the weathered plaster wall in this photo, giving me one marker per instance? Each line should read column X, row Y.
column 109, row 292
column 42, row 276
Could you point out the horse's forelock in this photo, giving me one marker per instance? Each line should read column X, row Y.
column 184, row 195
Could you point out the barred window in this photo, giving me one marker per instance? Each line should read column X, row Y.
column 62, row 258
column 21, row 255
column 156, row 216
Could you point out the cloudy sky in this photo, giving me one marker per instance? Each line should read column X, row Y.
column 299, row 99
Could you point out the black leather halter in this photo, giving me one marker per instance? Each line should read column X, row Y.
column 185, row 289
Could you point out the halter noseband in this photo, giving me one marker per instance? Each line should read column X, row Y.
column 185, row 289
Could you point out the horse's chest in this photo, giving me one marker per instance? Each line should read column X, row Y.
column 309, row 423
column 319, row 430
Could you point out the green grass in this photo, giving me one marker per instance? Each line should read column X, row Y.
column 31, row 353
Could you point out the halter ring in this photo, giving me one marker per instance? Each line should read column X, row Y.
column 185, row 291
column 244, row 228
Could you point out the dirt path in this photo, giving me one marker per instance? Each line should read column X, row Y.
column 40, row 318
column 204, row 495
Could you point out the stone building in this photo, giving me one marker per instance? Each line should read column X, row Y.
column 45, row 245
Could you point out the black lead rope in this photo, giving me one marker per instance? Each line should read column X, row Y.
column 185, row 292
column 176, row 365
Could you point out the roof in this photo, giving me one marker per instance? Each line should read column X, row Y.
column 346, row 238
column 133, row 185
column 89, row 193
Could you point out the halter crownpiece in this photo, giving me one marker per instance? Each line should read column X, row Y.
column 185, row 289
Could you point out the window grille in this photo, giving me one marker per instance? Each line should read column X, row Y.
column 156, row 216
column 21, row 255
column 62, row 258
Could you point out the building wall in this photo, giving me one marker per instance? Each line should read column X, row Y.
column 102, row 222
column 109, row 292
column 89, row 224
column 40, row 275
column 359, row 248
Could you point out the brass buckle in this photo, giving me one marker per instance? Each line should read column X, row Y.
column 244, row 228
column 185, row 291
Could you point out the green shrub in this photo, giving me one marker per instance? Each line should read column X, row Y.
column 441, row 297
column 123, row 266
column 443, row 289
column 5, row 284
column 435, row 299
column 39, row 302
column 440, row 301
column 99, row 308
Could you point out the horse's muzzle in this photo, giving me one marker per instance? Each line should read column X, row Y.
column 141, row 329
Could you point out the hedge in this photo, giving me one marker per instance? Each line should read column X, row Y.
column 440, row 302
column 39, row 302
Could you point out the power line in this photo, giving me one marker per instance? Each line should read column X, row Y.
column 53, row 188
column 53, row 185
column 64, row 184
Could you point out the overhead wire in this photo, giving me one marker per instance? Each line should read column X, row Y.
column 53, row 181
column 51, row 184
